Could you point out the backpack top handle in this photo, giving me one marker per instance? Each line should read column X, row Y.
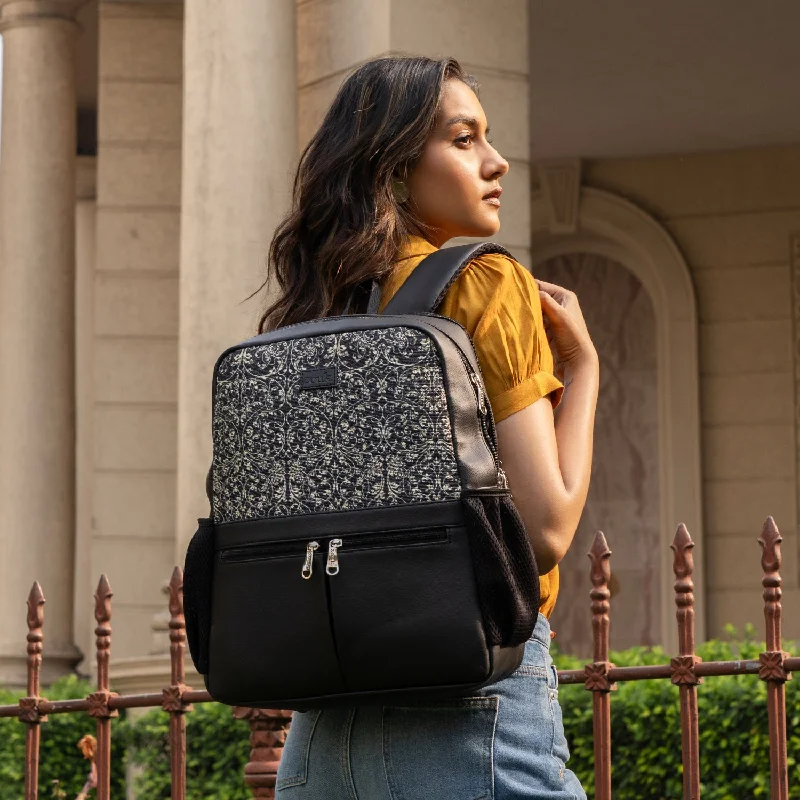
column 424, row 289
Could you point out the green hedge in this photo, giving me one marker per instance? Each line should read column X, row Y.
column 646, row 729
column 217, row 749
column 645, row 722
column 60, row 759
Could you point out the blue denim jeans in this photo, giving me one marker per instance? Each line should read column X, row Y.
column 504, row 743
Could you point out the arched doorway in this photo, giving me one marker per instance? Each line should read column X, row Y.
column 624, row 492
column 618, row 232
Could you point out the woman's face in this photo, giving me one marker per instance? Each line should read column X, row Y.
column 450, row 188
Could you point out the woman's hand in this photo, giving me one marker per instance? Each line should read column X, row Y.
column 566, row 329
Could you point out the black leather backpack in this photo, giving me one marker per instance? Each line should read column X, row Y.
column 363, row 545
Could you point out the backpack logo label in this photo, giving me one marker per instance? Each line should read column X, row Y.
column 319, row 378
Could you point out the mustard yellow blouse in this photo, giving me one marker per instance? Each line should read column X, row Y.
column 497, row 301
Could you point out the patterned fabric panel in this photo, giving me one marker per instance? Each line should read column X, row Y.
column 380, row 437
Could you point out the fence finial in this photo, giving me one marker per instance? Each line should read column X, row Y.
column 176, row 592
column 102, row 615
column 770, row 541
column 36, row 602
column 30, row 706
column 773, row 667
column 682, row 667
column 35, row 621
column 597, row 680
column 683, row 567
column 177, row 627
column 99, row 706
column 682, row 546
column 600, row 574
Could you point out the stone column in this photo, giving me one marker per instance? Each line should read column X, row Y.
column 85, row 238
column 37, row 237
column 239, row 154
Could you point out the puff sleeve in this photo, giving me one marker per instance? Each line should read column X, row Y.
column 497, row 300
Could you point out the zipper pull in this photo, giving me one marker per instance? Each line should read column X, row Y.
column 332, row 567
column 308, row 566
column 479, row 390
column 502, row 481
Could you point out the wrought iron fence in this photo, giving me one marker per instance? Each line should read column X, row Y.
column 269, row 728
column 686, row 670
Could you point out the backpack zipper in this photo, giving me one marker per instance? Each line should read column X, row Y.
column 368, row 541
column 332, row 567
column 266, row 551
column 364, row 541
column 308, row 564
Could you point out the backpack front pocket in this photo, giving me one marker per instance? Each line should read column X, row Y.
column 401, row 603
column 271, row 636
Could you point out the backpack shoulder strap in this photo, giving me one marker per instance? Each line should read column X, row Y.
column 424, row 289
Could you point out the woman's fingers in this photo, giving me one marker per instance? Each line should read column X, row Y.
column 565, row 326
column 558, row 293
column 548, row 301
column 556, row 304
column 555, row 313
column 546, row 285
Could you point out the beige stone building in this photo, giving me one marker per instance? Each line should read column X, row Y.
column 655, row 167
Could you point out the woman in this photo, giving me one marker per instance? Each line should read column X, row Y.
column 401, row 165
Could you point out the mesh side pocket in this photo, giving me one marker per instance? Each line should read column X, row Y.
column 197, row 577
column 505, row 567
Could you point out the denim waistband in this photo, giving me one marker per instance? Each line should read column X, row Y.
column 541, row 631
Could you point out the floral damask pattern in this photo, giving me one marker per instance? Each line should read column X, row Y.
column 380, row 437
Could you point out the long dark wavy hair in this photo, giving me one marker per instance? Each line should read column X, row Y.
column 346, row 223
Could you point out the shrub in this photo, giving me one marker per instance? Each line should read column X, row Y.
column 217, row 749
column 646, row 729
column 59, row 757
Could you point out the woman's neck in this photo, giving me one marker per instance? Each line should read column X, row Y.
column 434, row 236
